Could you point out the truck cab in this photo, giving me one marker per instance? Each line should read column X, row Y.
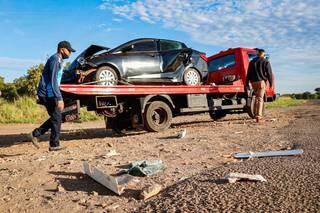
column 230, row 67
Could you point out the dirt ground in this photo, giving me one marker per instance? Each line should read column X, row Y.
column 35, row 180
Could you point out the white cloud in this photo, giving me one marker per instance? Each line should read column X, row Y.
column 7, row 62
column 288, row 29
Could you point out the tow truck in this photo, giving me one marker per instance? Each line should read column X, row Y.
column 154, row 106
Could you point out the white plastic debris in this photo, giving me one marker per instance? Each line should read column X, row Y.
column 42, row 158
column 234, row 177
column 115, row 184
column 112, row 152
column 182, row 134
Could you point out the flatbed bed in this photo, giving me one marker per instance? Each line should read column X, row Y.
column 77, row 89
column 153, row 106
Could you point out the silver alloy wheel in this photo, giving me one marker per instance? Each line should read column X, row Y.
column 192, row 77
column 107, row 77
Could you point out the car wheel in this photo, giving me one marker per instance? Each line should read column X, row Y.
column 191, row 77
column 157, row 116
column 106, row 76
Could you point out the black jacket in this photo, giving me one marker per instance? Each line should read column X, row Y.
column 259, row 69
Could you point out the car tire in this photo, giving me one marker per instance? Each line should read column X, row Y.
column 216, row 115
column 106, row 75
column 191, row 77
column 157, row 116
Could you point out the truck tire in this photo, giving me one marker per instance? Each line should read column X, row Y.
column 191, row 77
column 107, row 76
column 157, row 116
column 216, row 115
column 251, row 110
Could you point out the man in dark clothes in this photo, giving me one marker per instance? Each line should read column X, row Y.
column 50, row 96
column 259, row 72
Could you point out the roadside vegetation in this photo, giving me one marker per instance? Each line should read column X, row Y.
column 285, row 101
column 26, row 110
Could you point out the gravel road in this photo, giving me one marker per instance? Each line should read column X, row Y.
column 293, row 183
column 34, row 180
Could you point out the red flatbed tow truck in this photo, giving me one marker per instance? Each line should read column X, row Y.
column 154, row 106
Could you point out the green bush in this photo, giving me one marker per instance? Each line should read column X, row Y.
column 26, row 110
column 10, row 93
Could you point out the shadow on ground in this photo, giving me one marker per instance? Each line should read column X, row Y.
column 79, row 134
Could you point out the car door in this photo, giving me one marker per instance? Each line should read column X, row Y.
column 142, row 60
column 170, row 56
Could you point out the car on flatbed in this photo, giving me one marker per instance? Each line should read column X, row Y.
column 140, row 61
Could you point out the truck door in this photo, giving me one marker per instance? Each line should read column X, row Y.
column 221, row 67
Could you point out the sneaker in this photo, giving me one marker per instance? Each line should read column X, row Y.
column 56, row 148
column 34, row 140
column 259, row 120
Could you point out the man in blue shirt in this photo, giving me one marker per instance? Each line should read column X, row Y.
column 50, row 96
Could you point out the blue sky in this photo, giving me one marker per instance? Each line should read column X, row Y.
column 288, row 29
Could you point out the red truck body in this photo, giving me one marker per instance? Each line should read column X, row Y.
column 234, row 61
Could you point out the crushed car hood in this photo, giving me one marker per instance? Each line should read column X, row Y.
column 92, row 50
column 69, row 74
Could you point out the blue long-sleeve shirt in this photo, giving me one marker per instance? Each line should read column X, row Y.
column 49, row 84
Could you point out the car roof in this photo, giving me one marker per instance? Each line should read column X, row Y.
column 142, row 39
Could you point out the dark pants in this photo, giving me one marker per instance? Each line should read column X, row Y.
column 53, row 123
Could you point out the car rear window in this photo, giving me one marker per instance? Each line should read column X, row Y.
column 221, row 62
column 170, row 45
column 144, row 46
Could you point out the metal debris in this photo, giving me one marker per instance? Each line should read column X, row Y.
column 115, row 184
column 268, row 153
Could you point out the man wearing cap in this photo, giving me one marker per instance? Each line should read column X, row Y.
column 259, row 72
column 50, row 96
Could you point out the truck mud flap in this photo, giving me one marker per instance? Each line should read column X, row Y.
column 71, row 111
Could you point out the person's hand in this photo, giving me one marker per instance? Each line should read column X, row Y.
column 61, row 105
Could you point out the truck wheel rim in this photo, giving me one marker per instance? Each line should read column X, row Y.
column 192, row 78
column 107, row 77
column 158, row 116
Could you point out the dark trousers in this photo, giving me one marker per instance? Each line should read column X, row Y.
column 53, row 123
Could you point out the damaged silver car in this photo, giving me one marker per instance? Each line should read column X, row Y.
column 139, row 61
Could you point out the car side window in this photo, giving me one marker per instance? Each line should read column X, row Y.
column 170, row 45
column 144, row 46
column 251, row 56
column 222, row 62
